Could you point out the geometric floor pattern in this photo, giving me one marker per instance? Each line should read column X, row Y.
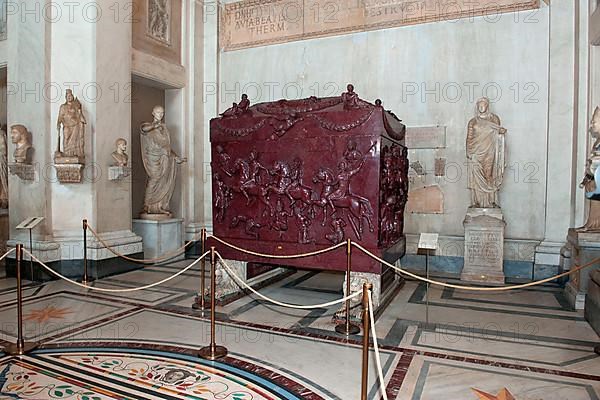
column 523, row 345
column 95, row 374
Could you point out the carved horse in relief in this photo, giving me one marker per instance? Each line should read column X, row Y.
column 286, row 183
column 337, row 195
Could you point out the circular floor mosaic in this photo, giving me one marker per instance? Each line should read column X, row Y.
column 99, row 374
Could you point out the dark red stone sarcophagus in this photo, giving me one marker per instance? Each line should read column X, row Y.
column 296, row 176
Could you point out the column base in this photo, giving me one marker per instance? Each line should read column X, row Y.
column 575, row 298
column 65, row 256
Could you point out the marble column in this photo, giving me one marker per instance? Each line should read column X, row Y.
column 567, row 97
column 85, row 47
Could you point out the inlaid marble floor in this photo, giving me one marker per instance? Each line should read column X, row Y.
column 526, row 344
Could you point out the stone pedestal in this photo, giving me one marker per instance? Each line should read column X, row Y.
column 484, row 246
column 160, row 237
column 585, row 247
column 592, row 301
column 116, row 173
column 24, row 171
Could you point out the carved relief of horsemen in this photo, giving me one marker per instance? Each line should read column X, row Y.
column 298, row 175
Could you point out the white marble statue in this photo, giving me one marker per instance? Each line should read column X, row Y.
column 20, row 138
column 120, row 156
column 160, row 164
column 3, row 170
column 159, row 19
column 592, row 177
column 485, row 156
column 72, row 121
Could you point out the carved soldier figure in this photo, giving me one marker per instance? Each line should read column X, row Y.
column 485, row 156
column 72, row 121
column 303, row 223
column 337, row 225
column 160, row 163
column 119, row 156
column 223, row 197
column 280, row 223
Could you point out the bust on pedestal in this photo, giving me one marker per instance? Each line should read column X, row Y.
column 120, row 168
column 484, row 223
column 161, row 232
column 21, row 166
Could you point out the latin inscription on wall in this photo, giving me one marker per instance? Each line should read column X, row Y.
column 251, row 23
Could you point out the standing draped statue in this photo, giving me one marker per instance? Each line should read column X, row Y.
column 485, row 156
column 592, row 176
column 160, row 164
column 3, row 170
column 72, row 120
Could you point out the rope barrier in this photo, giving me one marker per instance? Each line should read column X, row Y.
column 163, row 258
column 254, row 253
column 473, row 288
column 376, row 348
column 6, row 254
column 245, row 285
column 34, row 258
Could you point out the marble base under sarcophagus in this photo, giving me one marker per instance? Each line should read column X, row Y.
column 292, row 177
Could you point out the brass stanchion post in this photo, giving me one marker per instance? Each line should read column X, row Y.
column 84, row 279
column 201, row 302
column 21, row 347
column 348, row 328
column 212, row 352
column 365, row 346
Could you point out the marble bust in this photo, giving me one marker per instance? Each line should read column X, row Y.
column 485, row 156
column 592, row 175
column 160, row 164
column 20, row 138
column 119, row 156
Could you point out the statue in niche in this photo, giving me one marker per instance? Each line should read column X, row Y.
column 485, row 156
column 119, row 156
column 592, row 176
column 3, row 169
column 159, row 19
column 72, row 121
column 160, row 163
column 22, row 141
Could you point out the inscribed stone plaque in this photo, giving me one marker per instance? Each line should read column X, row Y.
column 425, row 200
column 426, row 137
column 251, row 23
column 484, row 246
